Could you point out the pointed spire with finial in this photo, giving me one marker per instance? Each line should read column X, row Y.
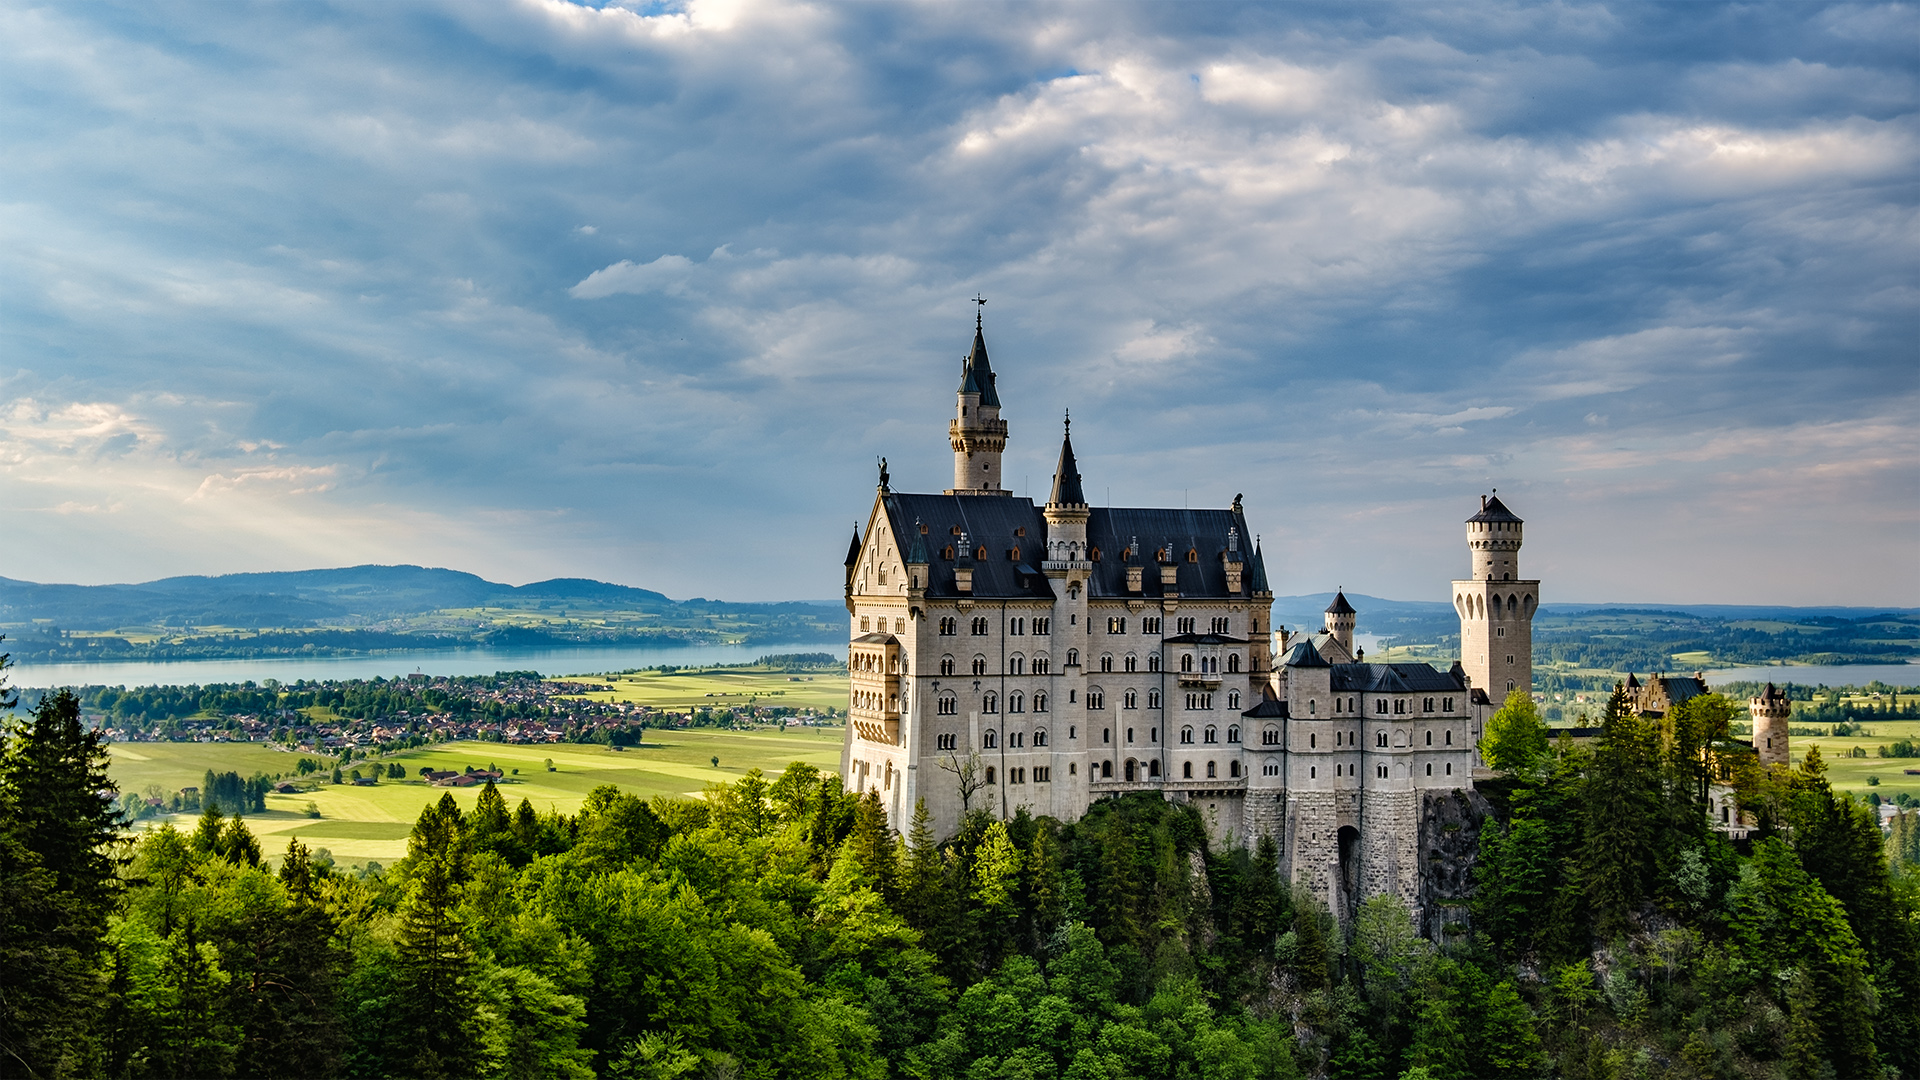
column 1066, row 477
column 976, row 375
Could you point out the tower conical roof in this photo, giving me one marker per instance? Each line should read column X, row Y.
column 853, row 549
column 1492, row 509
column 1066, row 477
column 1257, row 574
column 1340, row 605
column 977, row 376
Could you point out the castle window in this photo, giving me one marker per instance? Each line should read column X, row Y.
column 979, row 627
column 979, row 665
column 1150, row 624
column 1132, row 662
column 1449, row 768
column 1380, row 739
column 864, row 624
column 1042, row 774
column 1039, row 735
column 989, row 739
column 1096, row 699
column 1313, row 771
column 1040, row 626
column 1073, row 657
column 1186, row 770
column 1233, row 770
column 1212, row 772
column 1310, row 706
column 1017, row 626
column 1212, row 734
column 1153, row 768
column 991, row 704
column 1153, row 661
column 1073, row 768
column 1400, row 708
column 1094, row 554
column 989, row 775
column 1233, row 663
column 1013, row 554
column 1016, row 703
column 1233, row 733
column 1131, row 700
column 1449, row 738
column 947, row 553
column 1271, row 768
column 1153, row 698
column 1426, row 705
column 1184, row 626
column 946, row 665
column 1116, row 625
column 1129, row 736
column 1016, row 664
column 1106, row 663
column 948, row 741
column 1509, row 660
column 1193, row 555
column 980, row 553
column 1106, row 735
column 948, row 626
column 1429, row 768
column 1015, row 739
column 1220, row 625
column 1186, row 661
column 1509, row 686
column 1429, row 738
column 1106, row 770
column 1233, row 701
column 1380, row 705
column 949, row 706
column 1446, row 704
column 1039, row 702
column 1270, row 737
column 1499, row 631
column 1186, row 735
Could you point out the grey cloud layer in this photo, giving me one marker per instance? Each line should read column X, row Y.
column 535, row 288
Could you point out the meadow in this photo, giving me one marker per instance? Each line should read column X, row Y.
column 358, row 824
column 712, row 688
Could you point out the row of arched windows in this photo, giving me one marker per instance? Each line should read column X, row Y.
column 1211, row 734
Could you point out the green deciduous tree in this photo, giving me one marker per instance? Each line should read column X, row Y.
column 1516, row 736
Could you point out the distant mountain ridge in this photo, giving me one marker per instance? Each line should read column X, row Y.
column 353, row 595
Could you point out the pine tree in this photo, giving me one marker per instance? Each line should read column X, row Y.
column 873, row 846
column 1617, row 860
column 440, row 1022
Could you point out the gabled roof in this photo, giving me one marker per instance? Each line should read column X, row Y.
column 1395, row 679
column 976, row 377
column 1340, row 605
column 1204, row 639
column 1492, row 509
column 876, row 639
column 1268, row 709
column 1066, row 476
column 1305, row 655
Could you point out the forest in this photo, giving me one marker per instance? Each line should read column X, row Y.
column 779, row 927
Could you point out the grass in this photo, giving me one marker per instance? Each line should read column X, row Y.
column 721, row 687
column 361, row 823
column 1850, row 773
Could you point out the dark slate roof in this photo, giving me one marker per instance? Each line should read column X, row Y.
column 1305, row 655
column 1340, row 605
column 918, row 552
column 1268, row 709
column 1679, row 688
column 853, row 549
column 991, row 520
column 976, row 377
column 1773, row 693
column 876, row 639
column 1257, row 573
column 1066, row 477
column 1395, row 679
column 1204, row 639
column 1492, row 509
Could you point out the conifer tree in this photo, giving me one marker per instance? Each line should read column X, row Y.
column 1623, row 809
column 438, row 1002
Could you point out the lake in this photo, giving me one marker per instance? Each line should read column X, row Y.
column 1816, row 674
column 392, row 665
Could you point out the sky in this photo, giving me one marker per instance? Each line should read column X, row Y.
column 536, row 289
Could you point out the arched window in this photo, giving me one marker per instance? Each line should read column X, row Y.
column 1073, row 657
column 949, row 705
column 1233, row 699
column 989, row 739
column 946, row 665
column 949, row 741
column 1096, row 698
column 949, row 624
column 989, row 774
column 1039, row 702
column 1153, row 661
column 1186, row 661
column 1131, row 700
column 1039, row 735
column 1186, row 735
column 1015, row 703
column 1153, row 768
column 1212, row 734
column 1233, row 663
column 1212, row 772
column 1186, row 770
column 979, row 665
column 992, row 704
column 1233, row 733
column 1016, row 664
column 1153, row 698
column 1132, row 662
column 979, row 626
column 1015, row 739
column 1106, row 663
column 1233, row 769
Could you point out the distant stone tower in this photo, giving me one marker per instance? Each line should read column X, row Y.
column 977, row 433
column 1770, row 711
column 1340, row 619
column 1496, row 605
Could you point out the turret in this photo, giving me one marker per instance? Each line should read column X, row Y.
column 1340, row 619
column 1770, row 712
column 1496, row 605
column 977, row 433
column 1493, row 536
column 1066, row 509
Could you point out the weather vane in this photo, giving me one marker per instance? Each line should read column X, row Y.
column 981, row 306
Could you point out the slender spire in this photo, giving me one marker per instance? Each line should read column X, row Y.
column 1257, row 574
column 853, row 549
column 976, row 375
column 1066, row 478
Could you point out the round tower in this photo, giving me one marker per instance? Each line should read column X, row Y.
column 1493, row 535
column 977, row 433
column 1340, row 618
column 1496, row 605
column 1770, row 712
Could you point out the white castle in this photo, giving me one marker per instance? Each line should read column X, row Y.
column 1007, row 655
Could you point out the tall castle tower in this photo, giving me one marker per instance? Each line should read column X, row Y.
column 977, row 433
column 1496, row 605
column 1340, row 618
column 1770, row 712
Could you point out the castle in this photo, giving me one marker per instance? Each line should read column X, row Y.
column 1007, row 655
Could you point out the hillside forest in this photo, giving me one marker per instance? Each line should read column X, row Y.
column 780, row 928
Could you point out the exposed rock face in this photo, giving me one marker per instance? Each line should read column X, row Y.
column 1450, row 823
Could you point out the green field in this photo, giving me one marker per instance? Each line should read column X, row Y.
column 713, row 688
column 362, row 823
column 1850, row 773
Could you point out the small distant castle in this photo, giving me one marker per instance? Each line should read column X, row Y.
column 1006, row 655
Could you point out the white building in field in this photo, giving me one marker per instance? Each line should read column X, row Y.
column 1006, row 655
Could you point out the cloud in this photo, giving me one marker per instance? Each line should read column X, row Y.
column 282, row 287
column 668, row 273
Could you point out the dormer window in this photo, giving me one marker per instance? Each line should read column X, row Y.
column 980, row 553
column 1021, row 531
column 948, row 553
column 1193, row 556
column 1094, row 554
